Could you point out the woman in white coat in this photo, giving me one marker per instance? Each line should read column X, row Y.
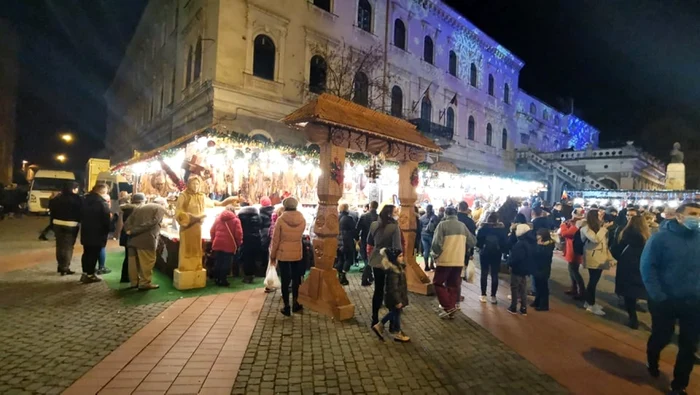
column 595, row 255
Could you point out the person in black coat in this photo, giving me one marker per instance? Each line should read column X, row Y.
column 346, row 243
column 628, row 252
column 252, row 223
column 492, row 242
column 95, row 222
column 66, row 212
column 266, row 212
column 362, row 231
column 428, row 224
column 544, row 251
column 521, row 266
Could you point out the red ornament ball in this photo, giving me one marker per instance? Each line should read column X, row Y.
column 211, row 143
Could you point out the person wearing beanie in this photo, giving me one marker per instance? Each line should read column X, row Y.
column 286, row 251
column 266, row 211
column 395, row 294
column 520, row 262
column 137, row 200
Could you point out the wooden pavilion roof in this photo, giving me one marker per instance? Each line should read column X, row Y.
column 334, row 111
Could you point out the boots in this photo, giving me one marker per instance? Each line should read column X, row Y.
column 343, row 279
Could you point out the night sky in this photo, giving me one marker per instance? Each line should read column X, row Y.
column 631, row 66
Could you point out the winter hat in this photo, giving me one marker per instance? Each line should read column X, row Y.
column 391, row 254
column 522, row 229
column 265, row 201
column 138, row 198
column 290, row 203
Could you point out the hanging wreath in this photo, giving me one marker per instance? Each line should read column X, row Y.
column 337, row 171
column 415, row 179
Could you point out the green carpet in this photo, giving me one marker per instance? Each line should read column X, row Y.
column 166, row 292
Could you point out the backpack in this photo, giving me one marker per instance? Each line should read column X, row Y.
column 492, row 245
column 578, row 243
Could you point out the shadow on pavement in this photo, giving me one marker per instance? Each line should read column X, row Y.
column 625, row 368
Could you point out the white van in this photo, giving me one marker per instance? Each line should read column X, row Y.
column 45, row 184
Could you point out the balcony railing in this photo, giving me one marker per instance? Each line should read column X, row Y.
column 441, row 134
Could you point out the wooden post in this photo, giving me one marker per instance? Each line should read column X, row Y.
column 322, row 291
column 417, row 281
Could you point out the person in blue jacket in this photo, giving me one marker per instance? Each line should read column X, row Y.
column 670, row 268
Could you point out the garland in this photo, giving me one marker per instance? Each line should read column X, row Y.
column 337, row 171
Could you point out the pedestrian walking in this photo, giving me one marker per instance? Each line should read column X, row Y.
column 95, row 230
column 226, row 238
column 396, row 294
column 544, row 251
column 596, row 256
column 346, row 243
column 251, row 223
column 671, row 275
column 449, row 248
column 363, row 226
column 286, row 251
column 520, row 261
column 492, row 242
column 384, row 233
column 628, row 279
column 143, row 229
column 127, row 208
column 428, row 223
column 66, row 212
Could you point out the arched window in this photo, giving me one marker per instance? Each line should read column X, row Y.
column 188, row 68
column 453, row 63
column 317, row 75
column 399, row 34
column 450, row 118
column 489, row 134
column 364, row 16
column 545, row 143
column 545, row 115
column 557, row 121
column 396, row 102
column 198, row 59
column 472, row 75
column 264, row 57
column 428, row 49
column 471, row 128
column 491, row 84
column 323, row 4
column 361, row 89
column 533, row 109
column 506, row 93
column 504, row 139
column 426, row 109
column 556, row 145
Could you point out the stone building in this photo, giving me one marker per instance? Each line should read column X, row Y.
column 9, row 75
column 244, row 64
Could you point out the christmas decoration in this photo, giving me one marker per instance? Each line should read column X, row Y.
column 173, row 177
column 415, row 179
column 337, row 171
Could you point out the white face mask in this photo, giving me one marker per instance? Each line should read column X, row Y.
column 105, row 197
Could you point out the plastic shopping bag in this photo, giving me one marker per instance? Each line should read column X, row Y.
column 272, row 281
column 470, row 273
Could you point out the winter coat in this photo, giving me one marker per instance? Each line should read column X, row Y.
column 527, row 212
column 144, row 226
column 95, row 221
column 251, row 222
column 286, row 245
column 364, row 224
column 450, row 242
column 127, row 209
column 396, row 288
column 670, row 269
column 568, row 231
column 66, row 209
column 346, row 229
column 521, row 258
column 428, row 224
column 266, row 218
column 388, row 236
column 628, row 279
column 543, row 259
column 492, row 233
column 468, row 222
column 595, row 247
column 226, row 232
column 541, row 223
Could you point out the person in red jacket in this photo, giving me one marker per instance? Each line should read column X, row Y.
column 226, row 239
column 567, row 230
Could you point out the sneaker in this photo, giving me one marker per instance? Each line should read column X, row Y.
column 448, row 313
column 523, row 312
column 401, row 337
column 586, row 305
column 149, row 287
column 378, row 330
column 67, row 272
column 493, row 300
column 512, row 310
column 103, row 270
column 596, row 310
column 89, row 279
column 482, row 299
column 510, row 297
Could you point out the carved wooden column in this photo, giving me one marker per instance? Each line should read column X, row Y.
column 417, row 281
column 322, row 291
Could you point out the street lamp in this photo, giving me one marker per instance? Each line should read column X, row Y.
column 67, row 137
column 61, row 158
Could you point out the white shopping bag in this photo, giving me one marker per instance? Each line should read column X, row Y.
column 470, row 273
column 272, row 281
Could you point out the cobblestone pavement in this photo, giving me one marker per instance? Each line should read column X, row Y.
column 52, row 328
column 309, row 353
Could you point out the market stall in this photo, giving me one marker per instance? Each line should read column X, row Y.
column 620, row 198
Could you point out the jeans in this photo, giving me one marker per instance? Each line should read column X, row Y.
column 447, row 281
column 542, row 298
column 65, row 243
column 594, row 277
column 394, row 318
column 290, row 272
column 577, row 284
column 91, row 254
column 378, row 296
column 222, row 268
column 490, row 265
column 102, row 259
column 663, row 322
column 518, row 291
column 631, row 307
column 346, row 257
column 427, row 241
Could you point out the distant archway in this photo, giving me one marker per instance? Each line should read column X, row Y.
column 608, row 183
